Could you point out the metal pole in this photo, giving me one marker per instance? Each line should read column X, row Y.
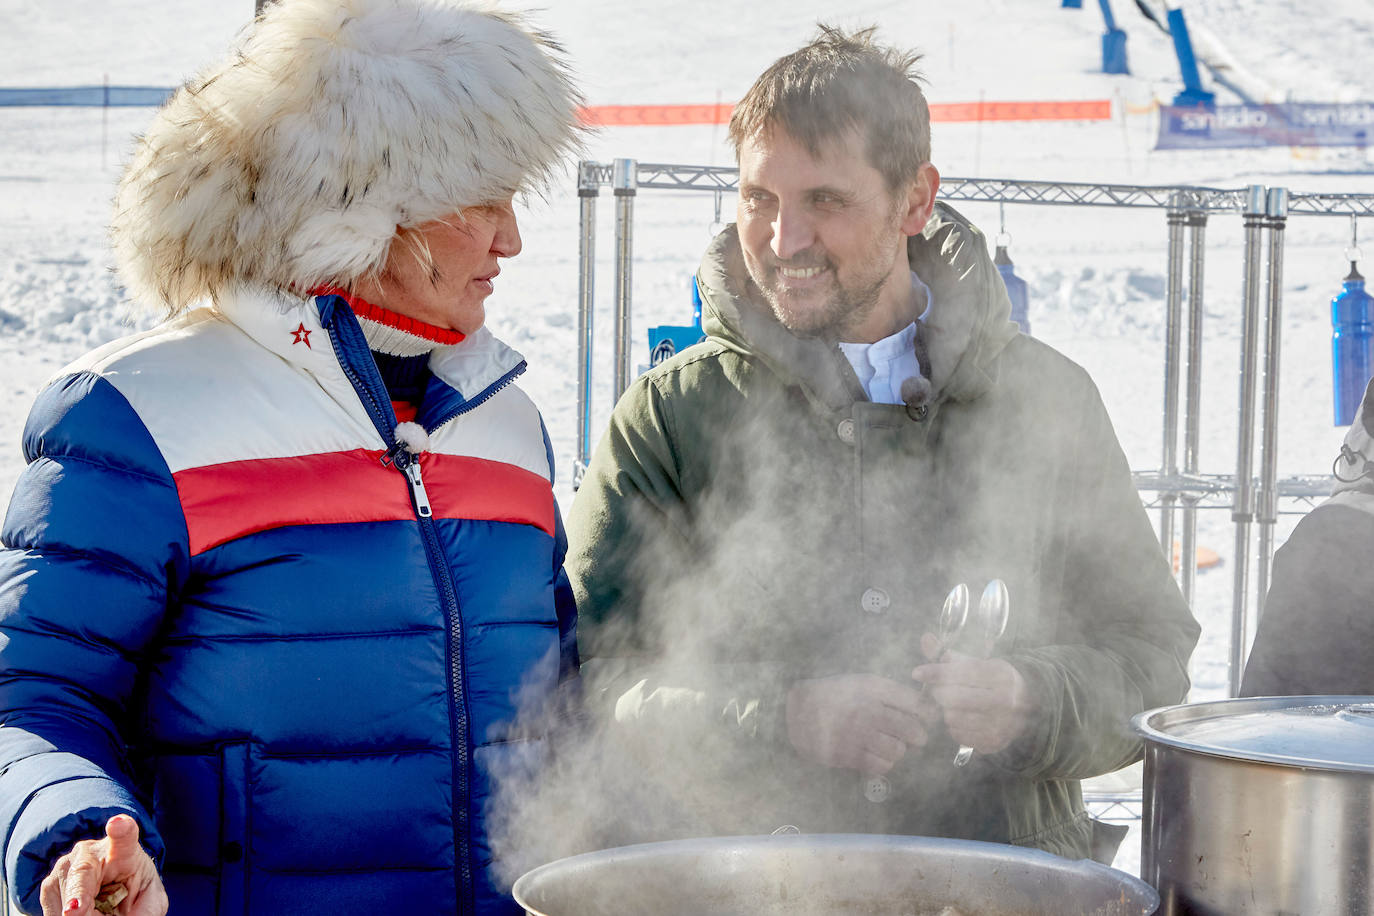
column 1277, row 216
column 1243, row 510
column 104, row 121
column 624, row 180
column 1192, row 401
column 1172, row 336
column 588, row 188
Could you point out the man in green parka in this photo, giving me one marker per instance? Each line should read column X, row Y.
column 766, row 534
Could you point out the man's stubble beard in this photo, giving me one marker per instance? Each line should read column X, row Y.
column 844, row 307
column 841, row 309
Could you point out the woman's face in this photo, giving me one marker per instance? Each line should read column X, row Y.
column 464, row 249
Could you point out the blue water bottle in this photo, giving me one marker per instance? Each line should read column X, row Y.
column 1352, row 345
column 1016, row 289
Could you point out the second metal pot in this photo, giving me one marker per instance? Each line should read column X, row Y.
column 1260, row 806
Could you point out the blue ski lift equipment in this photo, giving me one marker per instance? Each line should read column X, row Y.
column 1193, row 94
column 1113, row 40
column 1113, row 43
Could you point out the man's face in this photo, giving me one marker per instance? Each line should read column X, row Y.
column 824, row 237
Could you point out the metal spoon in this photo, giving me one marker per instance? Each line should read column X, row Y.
column 953, row 614
column 994, row 607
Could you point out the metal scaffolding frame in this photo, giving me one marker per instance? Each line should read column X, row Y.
column 1179, row 487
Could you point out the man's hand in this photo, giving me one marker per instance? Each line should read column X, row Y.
column 858, row 721
column 984, row 700
column 78, row 877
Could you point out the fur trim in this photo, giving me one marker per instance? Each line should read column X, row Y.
column 333, row 123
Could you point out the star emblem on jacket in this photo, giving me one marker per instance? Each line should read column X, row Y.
column 301, row 335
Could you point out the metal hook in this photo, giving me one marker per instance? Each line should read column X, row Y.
column 716, row 224
column 1352, row 253
column 1353, row 457
column 1003, row 239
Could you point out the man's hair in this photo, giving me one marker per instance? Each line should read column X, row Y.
column 839, row 82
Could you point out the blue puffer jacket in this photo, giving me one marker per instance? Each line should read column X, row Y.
column 229, row 609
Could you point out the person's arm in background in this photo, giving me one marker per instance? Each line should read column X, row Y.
column 94, row 542
column 1316, row 635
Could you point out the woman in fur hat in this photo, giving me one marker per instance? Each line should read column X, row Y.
column 279, row 568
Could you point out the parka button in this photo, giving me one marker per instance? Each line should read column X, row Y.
column 875, row 601
column 846, row 431
column 876, row 789
column 231, row 852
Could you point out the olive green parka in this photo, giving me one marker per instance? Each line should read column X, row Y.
column 750, row 518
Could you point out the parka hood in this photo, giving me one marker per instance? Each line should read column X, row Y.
column 966, row 327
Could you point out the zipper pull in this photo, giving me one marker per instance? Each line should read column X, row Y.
column 417, row 487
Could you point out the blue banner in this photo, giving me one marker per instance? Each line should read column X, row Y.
column 85, row 96
column 1289, row 124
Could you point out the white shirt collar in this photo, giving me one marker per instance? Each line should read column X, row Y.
column 883, row 365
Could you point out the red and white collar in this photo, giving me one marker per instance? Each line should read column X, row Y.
column 390, row 332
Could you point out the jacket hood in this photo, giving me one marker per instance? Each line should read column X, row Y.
column 966, row 327
column 330, row 125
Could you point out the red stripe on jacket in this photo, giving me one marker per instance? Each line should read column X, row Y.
column 237, row 498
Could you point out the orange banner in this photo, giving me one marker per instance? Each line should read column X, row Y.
column 1094, row 110
column 656, row 115
column 670, row 115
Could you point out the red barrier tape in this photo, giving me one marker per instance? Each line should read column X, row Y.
column 656, row 115
column 670, row 115
column 1095, row 110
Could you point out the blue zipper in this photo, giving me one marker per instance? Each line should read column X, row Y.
column 383, row 418
column 458, row 721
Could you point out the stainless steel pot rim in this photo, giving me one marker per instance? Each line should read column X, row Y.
column 1310, row 732
column 841, row 842
column 846, row 843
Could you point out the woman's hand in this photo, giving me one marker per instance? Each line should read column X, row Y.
column 85, row 876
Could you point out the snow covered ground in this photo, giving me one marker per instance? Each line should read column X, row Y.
column 1097, row 275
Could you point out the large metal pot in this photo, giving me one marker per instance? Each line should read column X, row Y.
column 828, row 875
column 1260, row 805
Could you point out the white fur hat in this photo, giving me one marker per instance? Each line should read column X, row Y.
column 332, row 123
